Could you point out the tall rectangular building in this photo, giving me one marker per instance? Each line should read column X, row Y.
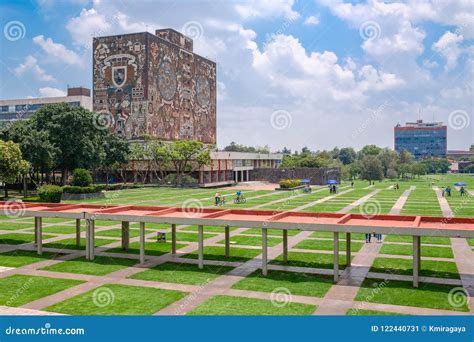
column 154, row 84
column 422, row 139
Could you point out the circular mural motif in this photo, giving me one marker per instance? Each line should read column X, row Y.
column 167, row 80
column 203, row 91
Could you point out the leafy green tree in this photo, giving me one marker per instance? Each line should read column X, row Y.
column 72, row 132
column 369, row 150
column 371, row 168
column 388, row 158
column 347, row 155
column 234, row 147
column 405, row 157
column 117, row 153
column 418, row 169
column 188, row 156
column 12, row 164
column 161, row 157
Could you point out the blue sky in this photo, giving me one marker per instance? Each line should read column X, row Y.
column 320, row 73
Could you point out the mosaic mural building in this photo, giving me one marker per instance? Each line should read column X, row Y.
column 154, row 84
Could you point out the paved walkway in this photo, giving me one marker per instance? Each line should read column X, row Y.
column 339, row 298
column 463, row 254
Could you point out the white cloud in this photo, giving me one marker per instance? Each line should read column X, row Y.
column 57, row 51
column 89, row 24
column 51, row 92
column 30, row 65
column 448, row 47
column 266, row 8
column 312, row 20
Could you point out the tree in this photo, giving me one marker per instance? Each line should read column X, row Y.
column 188, row 156
column 405, row 157
column 72, row 132
column 388, row 158
column 371, row 168
column 161, row 157
column 234, row 147
column 286, row 150
column 12, row 164
column 117, row 153
column 369, row 150
column 347, row 155
column 418, row 169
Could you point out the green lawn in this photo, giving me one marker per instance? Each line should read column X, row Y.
column 18, row 239
column 218, row 253
column 272, row 232
column 243, row 240
column 115, row 299
column 355, row 312
column 327, row 245
column 211, row 229
column 21, row 258
column 227, row 305
column 426, row 251
column 429, row 268
column 71, row 243
column 151, row 248
column 14, row 225
column 315, row 260
column 62, row 229
column 116, row 232
column 99, row 266
column 434, row 240
column 188, row 237
column 303, row 284
column 182, row 273
column 394, row 292
column 17, row 290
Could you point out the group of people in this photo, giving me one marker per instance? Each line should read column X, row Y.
column 376, row 236
column 332, row 189
column 219, row 199
column 396, row 187
column 446, row 191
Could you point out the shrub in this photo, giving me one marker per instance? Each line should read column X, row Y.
column 186, row 179
column 50, row 193
column 81, row 177
column 83, row 189
column 289, row 183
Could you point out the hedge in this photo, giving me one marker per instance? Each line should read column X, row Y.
column 50, row 193
column 81, row 177
column 289, row 183
column 83, row 189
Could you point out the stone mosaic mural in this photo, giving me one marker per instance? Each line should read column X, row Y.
column 151, row 86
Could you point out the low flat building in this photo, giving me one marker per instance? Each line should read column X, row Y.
column 457, row 154
column 18, row 109
column 229, row 167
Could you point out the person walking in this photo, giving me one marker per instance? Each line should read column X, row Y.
column 462, row 191
column 217, row 198
column 367, row 238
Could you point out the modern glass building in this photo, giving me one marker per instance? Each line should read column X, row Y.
column 422, row 139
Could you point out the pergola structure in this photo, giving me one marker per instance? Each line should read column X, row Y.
column 415, row 226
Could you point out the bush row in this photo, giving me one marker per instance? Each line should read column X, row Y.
column 289, row 183
column 83, row 189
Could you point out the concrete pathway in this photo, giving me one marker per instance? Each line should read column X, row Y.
column 338, row 299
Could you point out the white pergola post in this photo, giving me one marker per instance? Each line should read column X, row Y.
column 142, row 242
column 285, row 246
column 92, row 239
column 264, row 251
column 416, row 260
column 336, row 257
column 39, row 235
column 78, row 232
column 173, row 239
column 88, row 237
column 200, row 246
column 125, row 235
column 227, row 241
column 348, row 249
